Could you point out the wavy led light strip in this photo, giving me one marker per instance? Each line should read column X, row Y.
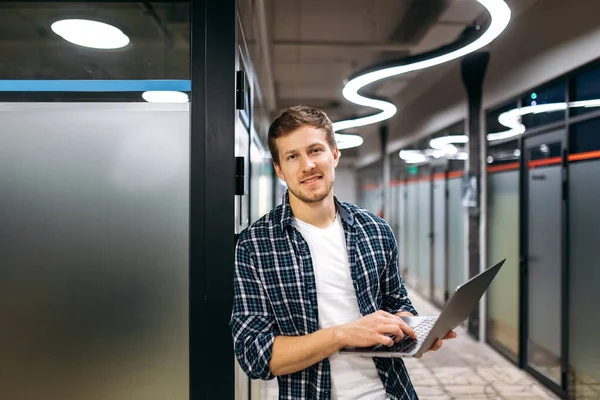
column 444, row 145
column 499, row 15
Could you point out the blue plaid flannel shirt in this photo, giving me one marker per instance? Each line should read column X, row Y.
column 275, row 294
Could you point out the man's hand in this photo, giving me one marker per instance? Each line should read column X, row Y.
column 438, row 343
column 374, row 329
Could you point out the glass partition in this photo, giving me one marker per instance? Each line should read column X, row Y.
column 456, row 230
column 584, row 274
column 503, row 241
column 424, row 190
column 94, row 251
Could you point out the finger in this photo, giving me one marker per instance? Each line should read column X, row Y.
column 436, row 346
column 385, row 340
column 407, row 329
column 392, row 330
column 449, row 335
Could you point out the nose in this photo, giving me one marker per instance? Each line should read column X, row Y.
column 307, row 163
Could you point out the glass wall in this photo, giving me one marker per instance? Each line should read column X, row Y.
column 94, row 256
column 584, row 274
column 503, row 242
column 94, row 250
column 457, row 243
column 370, row 195
column 423, row 188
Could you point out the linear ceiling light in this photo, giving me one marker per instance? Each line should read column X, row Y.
column 87, row 33
column 165, row 97
column 512, row 118
column 346, row 141
column 499, row 15
column 443, row 141
column 443, row 146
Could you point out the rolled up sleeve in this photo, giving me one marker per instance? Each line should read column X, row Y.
column 251, row 320
column 395, row 296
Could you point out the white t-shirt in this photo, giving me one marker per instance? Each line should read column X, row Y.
column 352, row 376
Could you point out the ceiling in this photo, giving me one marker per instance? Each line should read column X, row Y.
column 317, row 44
column 314, row 46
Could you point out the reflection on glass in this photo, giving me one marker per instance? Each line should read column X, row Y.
column 586, row 87
column 544, row 97
column 453, row 147
column 157, row 36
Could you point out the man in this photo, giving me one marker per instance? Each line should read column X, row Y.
column 315, row 275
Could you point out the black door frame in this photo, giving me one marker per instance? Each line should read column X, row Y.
column 212, row 144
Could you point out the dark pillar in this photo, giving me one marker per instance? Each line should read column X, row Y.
column 385, row 173
column 473, row 68
column 212, row 191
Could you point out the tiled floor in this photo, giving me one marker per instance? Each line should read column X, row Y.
column 462, row 369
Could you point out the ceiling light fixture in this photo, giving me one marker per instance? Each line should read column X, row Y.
column 443, row 146
column 499, row 15
column 413, row 156
column 346, row 141
column 443, row 141
column 512, row 118
column 165, row 97
column 93, row 34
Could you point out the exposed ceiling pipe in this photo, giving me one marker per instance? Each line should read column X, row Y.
column 265, row 46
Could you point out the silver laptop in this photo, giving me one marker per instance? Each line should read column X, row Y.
column 429, row 329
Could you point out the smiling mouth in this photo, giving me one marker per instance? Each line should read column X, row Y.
column 311, row 180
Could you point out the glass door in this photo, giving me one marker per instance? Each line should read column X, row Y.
column 544, row 257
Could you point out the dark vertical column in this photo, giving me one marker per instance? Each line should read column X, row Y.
column 212, row 189
column 473, row 68
column 385, row 173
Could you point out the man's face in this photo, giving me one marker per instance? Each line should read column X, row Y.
column 307, row 163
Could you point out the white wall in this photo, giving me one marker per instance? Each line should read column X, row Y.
column 345, row 184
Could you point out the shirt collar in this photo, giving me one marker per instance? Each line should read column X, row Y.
column 287, row 218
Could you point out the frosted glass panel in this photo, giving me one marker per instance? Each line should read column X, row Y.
column 456, row 236
column 402, row 238
column 424, row 237
column 503, row 242
column 94, row 251
column 584, row 275
column 439, row 239
column 544, row 269
column 412, row 234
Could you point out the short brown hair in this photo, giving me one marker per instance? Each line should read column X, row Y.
column 293, row 118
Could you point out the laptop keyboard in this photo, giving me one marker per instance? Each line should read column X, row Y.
column 407, row 344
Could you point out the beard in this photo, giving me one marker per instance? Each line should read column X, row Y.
column 312, row 196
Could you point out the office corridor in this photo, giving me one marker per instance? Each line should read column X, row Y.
column 466, row 369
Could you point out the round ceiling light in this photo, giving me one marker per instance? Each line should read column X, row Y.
column 499, row 14
column 165, row 97
column 93, row 34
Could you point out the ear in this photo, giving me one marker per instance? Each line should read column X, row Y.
column 278, row 171
column 336, row 156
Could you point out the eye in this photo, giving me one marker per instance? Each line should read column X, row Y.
column 317, row 150
column 291, row 157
